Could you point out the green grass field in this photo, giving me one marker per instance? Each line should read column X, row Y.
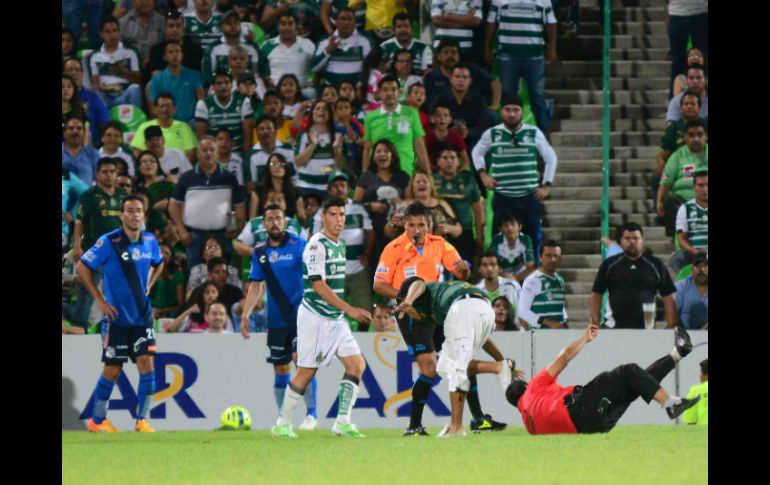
column 629, row 454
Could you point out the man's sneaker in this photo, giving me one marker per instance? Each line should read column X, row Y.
column 418, row 431
column 486, row 423
column 309, row 424
column 443, row 433
column 143, row 426
column 506, row 374
column 682, row 341
column 677, row 409
column 284, row 431
column 341, row 429
column 105, row 427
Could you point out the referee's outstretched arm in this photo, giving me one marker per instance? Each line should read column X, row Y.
column 570, row 351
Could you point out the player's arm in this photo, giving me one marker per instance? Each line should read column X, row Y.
column 330, row 297
column 452, row 262
column 416, row 290
column 492, row 349
column 570, row 351
column 255, row 295
column 155, row 272
column 86, row 277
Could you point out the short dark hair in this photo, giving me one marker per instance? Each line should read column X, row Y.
column 549, row 243
column 699, row 67
column 287, row 13
column 515, row 390
column 508, row 216
column 689, row 93
column 462, row 65
column 273, row 93
column 111, row 124
column 416, row 209
column 171, row 42
column 332, row 201
column 405, row 287
column 388, row 78
column 697, row 122
column 704, row 366
column 129, row 198
column 265, row 118
column 223, row 130
column 440, row 105
column 698, row 174
column 272, row 207
column 630, row 227
column 447, row 43
column 402, row 16
column 214, row 262
column 344, row 9
column 105, row 161
column 108, row 20
column 173, row 14
column 418, row 84
column 165, row 95
column 490, row 254
column 443, row 147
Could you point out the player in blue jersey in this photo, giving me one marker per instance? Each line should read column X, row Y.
column 132, row 262
column 277, row 263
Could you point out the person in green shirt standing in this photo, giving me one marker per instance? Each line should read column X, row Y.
column 699, row 414
column 468, row 321
column 398, row 123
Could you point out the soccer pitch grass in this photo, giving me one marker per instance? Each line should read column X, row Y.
column 628, row 454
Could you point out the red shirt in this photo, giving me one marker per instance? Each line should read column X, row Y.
column 431, row 143
column 542, row 406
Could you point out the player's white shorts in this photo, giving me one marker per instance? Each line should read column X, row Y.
column 319, row 339
column 468, row 324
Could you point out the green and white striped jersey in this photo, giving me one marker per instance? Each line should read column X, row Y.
column 315, row 174
column 218, row 54
column 229, row 116
column 357, row 222
column 254, row 231
column 346, row 62
column 521, row 25
column 463, row 36
column 514, row 165
column 258, row 162
column 360, row 14
column 101, row 61
column 693, row 219
column 513, row 259
column 542, row 295
column 205, row 34
column 422, row 56
column 325, row 258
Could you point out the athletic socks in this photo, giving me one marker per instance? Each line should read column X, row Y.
column 419, row 395
column 103, row 391
column 671, row 401
column 675, row 355
column 279, row 388
column 347, row 398
column 290, row 401
column 144, row 393
column 311, row 397
column 473, row 399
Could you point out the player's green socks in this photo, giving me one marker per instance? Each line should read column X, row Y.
column 347, row 397
column 290, row 401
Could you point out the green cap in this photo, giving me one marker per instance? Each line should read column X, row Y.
column 337, row 174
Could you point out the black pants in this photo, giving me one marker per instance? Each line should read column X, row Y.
column 622, row 385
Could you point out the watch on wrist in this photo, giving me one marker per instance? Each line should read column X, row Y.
column 547, row 184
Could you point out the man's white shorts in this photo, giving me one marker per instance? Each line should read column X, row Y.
column 319, row 339
column 468, row 324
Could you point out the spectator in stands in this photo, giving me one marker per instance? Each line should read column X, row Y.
column 219, row 321
column 676, row 184
column 399, row 124
column 513, row 248
column 471, row 116
column 226, row 157
column 71, row 190
column 694, row 56
column 257, row 317
column 248, row 87
column 272, row 106
column 287, row 53
column 218, row 273
column 443, row 134
column 699, row 414
column 176, row 134
column 329, row 9
column 154, row 220
column 422, row 56
column 687, row 19
column 198, row 210
column 442, row 219
column 692, row 223
column 504, row 314
column 73, row 10
column 352, row 132
column 76, row 156
column 152, row 177
column 306, row 13
column 437, row 80
column 495, row 285
column 692, row 295
column 460, row 190
column 141, row 28
column 382, row 319
column 348, row 91
column 267, row 145
column 211, row 249
column 340, row 56
column 193, row 318
column 401, row 69
column 217, row 55
column 318, row 151
column 455, row 20
column 115, row 69
column 71, row 104
column 415, row 98
column 291, row 95
column 542, row 301
column 69, row 46
column 254, row 232
column 277, row 179
column 167, row 294
column 96, row 111
column 518, row 190
column 380, row 189
column 113, row 146
column 696, row 83
column 225, row 109
column 631, row 279
column 192, row 54
column 379, row 18
column 524, row 36
column 201, row 25
column 375, row 66
column 185, row 85
column 173, row 162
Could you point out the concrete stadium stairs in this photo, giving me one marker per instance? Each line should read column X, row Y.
column 638, row 100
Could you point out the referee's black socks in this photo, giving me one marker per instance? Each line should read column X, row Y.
column 419, row 395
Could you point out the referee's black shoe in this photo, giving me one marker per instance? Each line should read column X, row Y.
column 682, row 341
column 677, row 409
column 418, row 431
column 486, row 423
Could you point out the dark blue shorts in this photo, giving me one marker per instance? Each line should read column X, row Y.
column 120, row 343
column 281, row 343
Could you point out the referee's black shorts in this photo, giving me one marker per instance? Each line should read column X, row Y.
column 421, row 337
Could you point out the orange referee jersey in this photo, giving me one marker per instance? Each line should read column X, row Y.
column 401, row 260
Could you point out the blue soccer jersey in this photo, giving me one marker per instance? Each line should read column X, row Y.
column 286, row 263
column 119, row 289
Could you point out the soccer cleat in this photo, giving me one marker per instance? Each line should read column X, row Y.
column 418, row 431
column 143, row 426
column 682, row 341
column 309, row 424
column 105, row 427
column 284, row 431
column 443, row 433
column 350, row 430
column 486, row 423
column 677, row 409
column 505, row 376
